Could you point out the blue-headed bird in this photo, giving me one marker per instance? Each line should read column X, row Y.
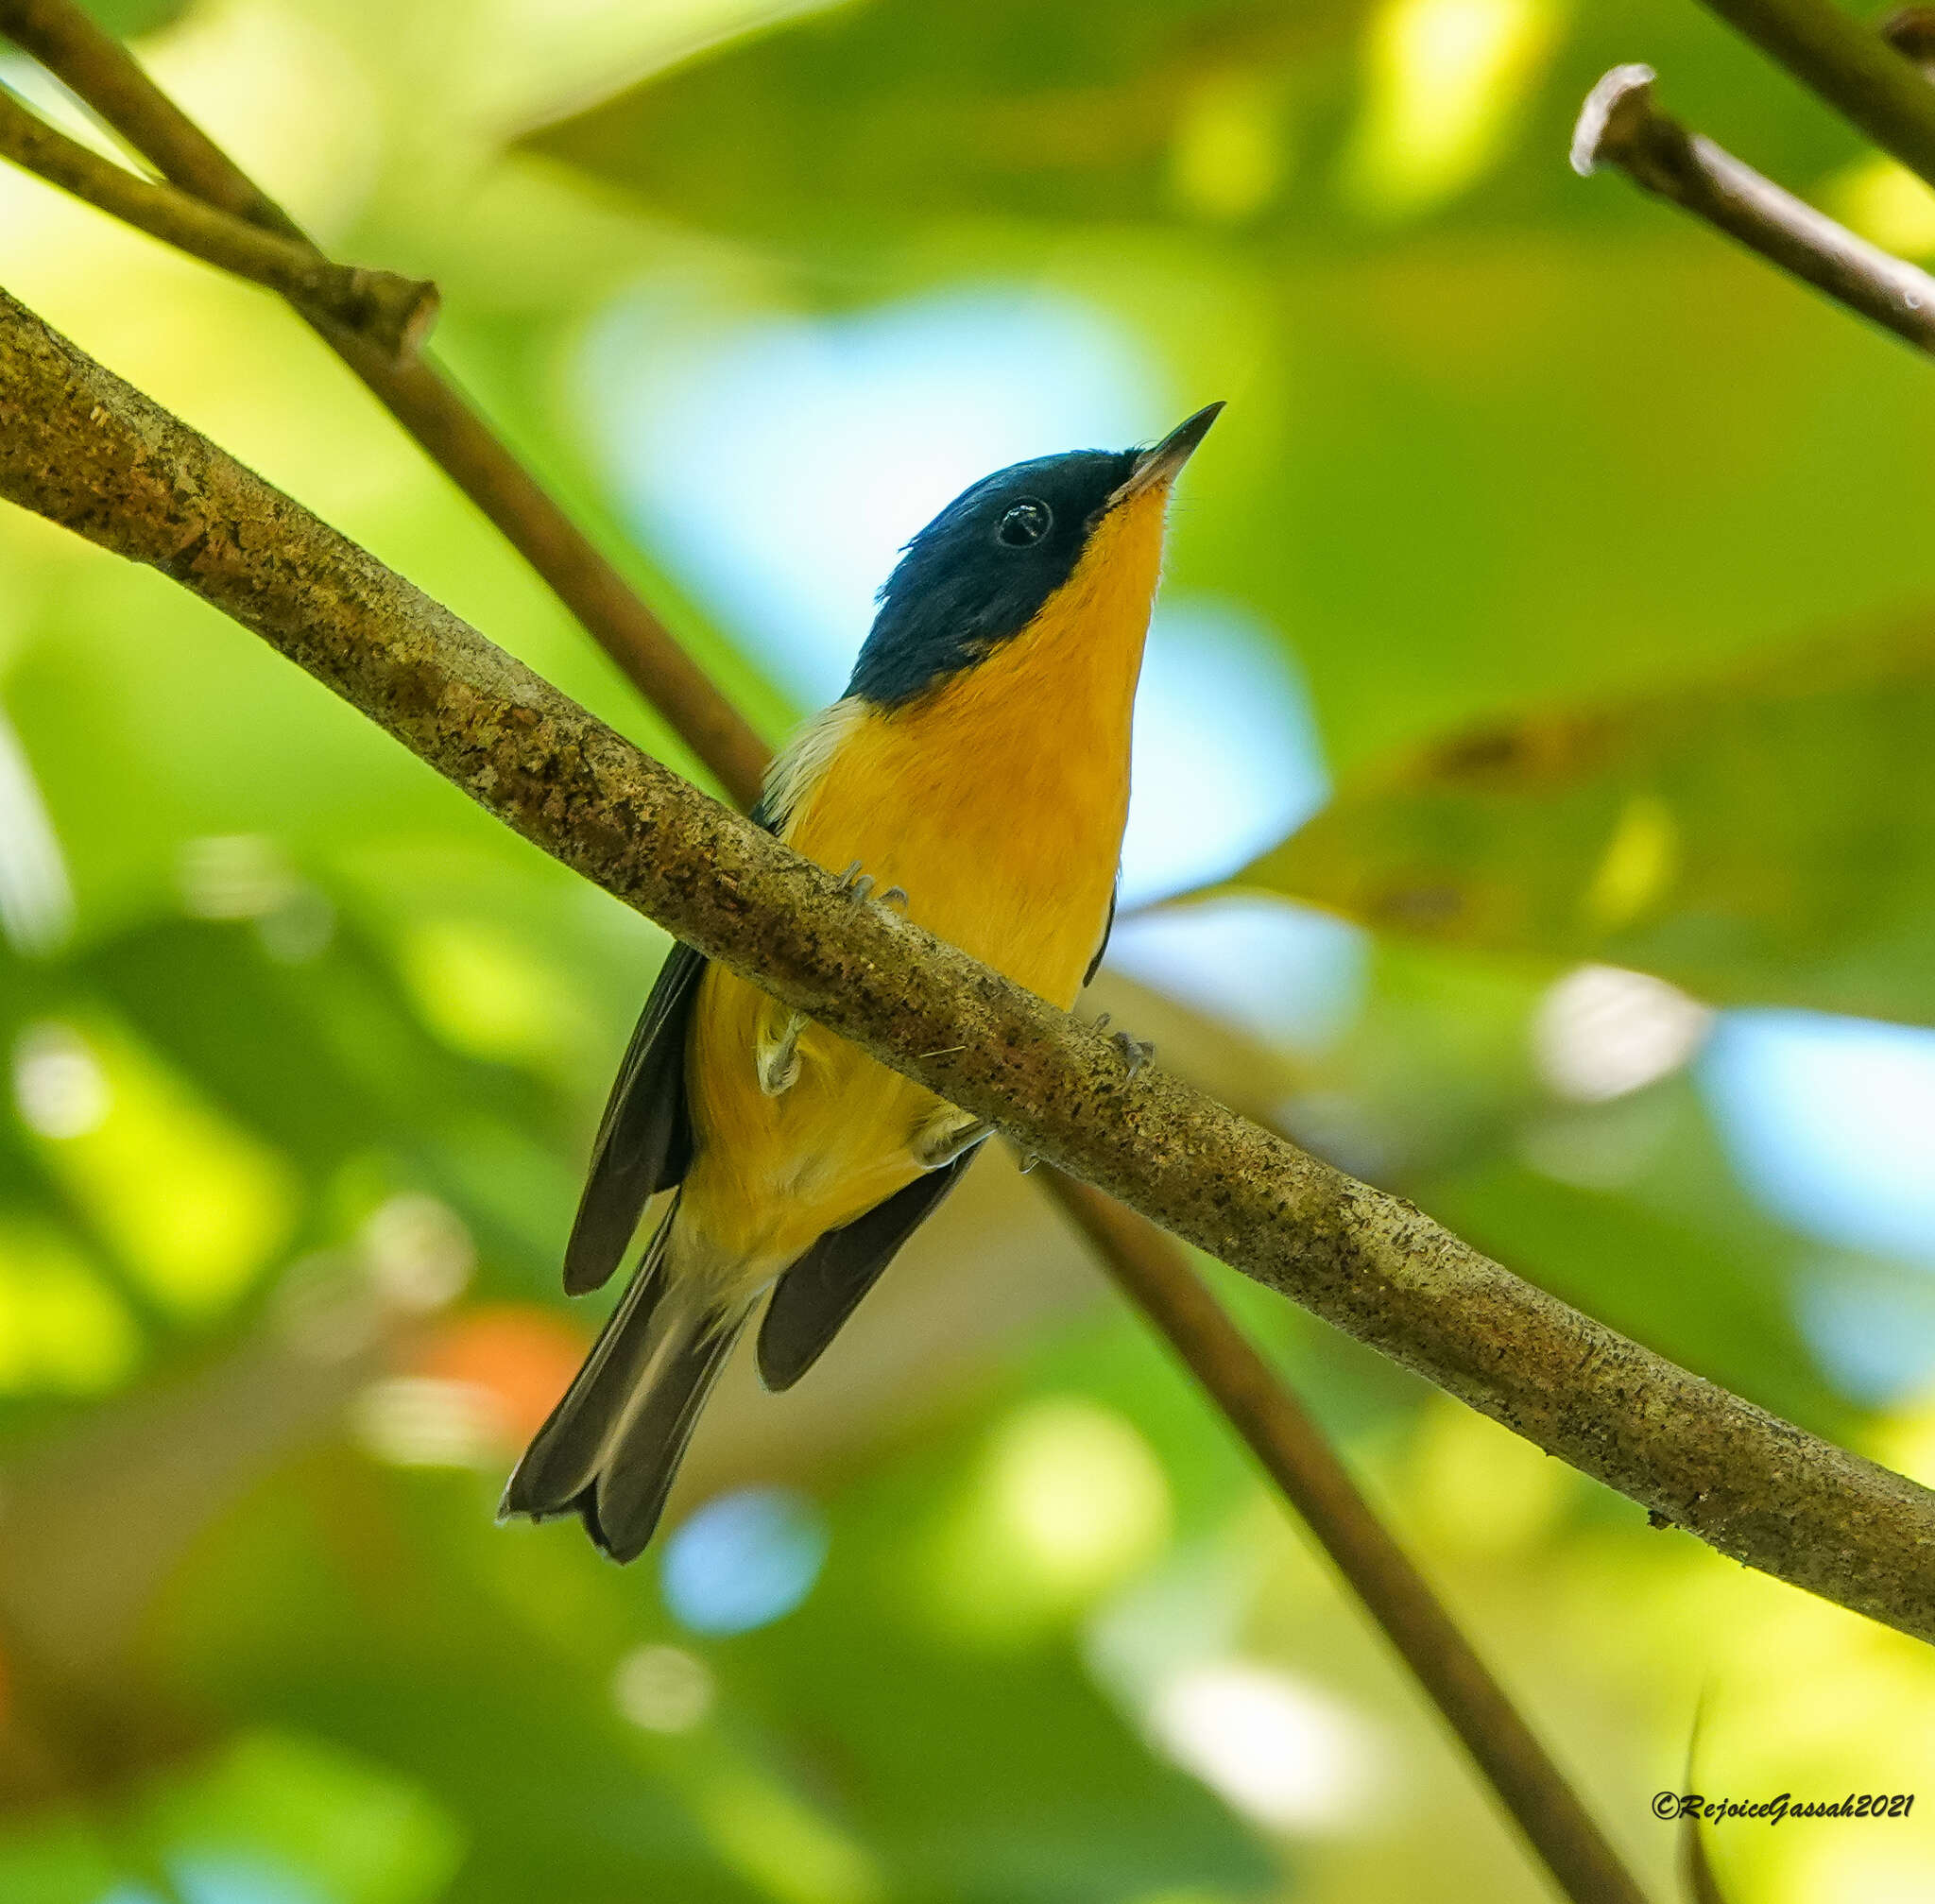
column 977, row 769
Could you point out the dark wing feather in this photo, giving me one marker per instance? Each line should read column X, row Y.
column 644, row 1142
column 1107, row 927
column 815, row 1297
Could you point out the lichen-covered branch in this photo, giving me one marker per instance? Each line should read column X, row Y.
column 394, row 314
column 1621, row 125
column 82, row 448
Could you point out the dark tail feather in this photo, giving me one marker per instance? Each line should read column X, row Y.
column 621, row 1509
column 612, row 1446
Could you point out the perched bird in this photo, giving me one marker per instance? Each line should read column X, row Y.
column 978, row 769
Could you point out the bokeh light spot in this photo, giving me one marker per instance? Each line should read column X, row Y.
column 1873, row 1325
column 1602, row 1032
column 1830, row 1122
column 1281, row 1751
column 744, row 1560
column 416, row 1422
column 58, row 1086
column 36, row 894
column 1080, row 1490
column 418, row 1251
column 1445, row 79
column 217, row 1879
column 1226, row 156
column 63, row 1327
column 193, row 1204
column 1280, row 972
column 523, row 1356
column 1886, row 202
column 1068, row 1499
column 1226, row 756
column 662, row 1688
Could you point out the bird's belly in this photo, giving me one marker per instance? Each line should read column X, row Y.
column 1006, row 846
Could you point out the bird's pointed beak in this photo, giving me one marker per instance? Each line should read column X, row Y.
column 1157, row 468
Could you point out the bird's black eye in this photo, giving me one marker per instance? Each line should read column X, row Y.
column 1025, row 523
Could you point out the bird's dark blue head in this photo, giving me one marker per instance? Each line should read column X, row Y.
column 981, row 570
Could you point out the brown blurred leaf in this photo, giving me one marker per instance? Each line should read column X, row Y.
column 1766, row 835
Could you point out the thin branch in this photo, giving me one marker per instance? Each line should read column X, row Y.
column 98, row 69
column 1621, row 125
column 394, row 313
column 82, row 448
column 1847, row 63
column 1294, row 1453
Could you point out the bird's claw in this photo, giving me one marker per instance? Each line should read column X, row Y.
column 947, row 1137
column 1134, row 1052
column 858, row 886
column 777, row 1061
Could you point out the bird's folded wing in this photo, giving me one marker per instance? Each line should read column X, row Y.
column 644, row 1143
column 823, row 1288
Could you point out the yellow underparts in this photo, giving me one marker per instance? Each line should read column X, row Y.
column 997, row 801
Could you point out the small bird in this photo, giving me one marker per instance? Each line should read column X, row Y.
column 976, row 771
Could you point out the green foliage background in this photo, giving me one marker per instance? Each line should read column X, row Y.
column 1600, row 547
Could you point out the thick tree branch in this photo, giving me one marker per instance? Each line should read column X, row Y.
column 97, row 68
column 1294, row 1453
column 394, row 314
column 1847, row 63
column 80, row 447
column 1621, row 125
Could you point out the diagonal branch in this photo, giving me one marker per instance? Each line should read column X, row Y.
column 394, row 313
column 80, row 447
column 1619, row 125
column 97, row 68
column 1294, row 1453
column 1844, row 62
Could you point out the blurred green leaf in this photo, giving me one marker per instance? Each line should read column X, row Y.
column 361, row 1835
column 904, row 110
column 1767, row 836
column 844, row 126
column 130, row 19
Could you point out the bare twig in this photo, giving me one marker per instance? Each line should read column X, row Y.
column 1621, row 126
column 82, row 448
column 393, row 312
column 99, row 70
column 1295, row 1455
column 1847, row 63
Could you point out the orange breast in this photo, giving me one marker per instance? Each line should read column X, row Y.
column 997, row 803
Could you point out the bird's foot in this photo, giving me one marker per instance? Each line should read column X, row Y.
column 948, row 1135
column 1136, row 1054
column 858, row 886
column 777, row 1060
